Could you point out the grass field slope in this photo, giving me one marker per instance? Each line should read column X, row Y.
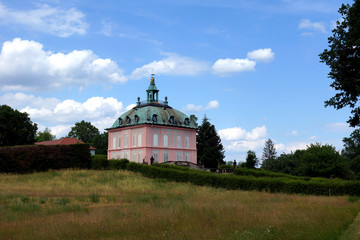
column 91, row 204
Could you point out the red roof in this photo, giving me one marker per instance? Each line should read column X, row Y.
column 63, row 141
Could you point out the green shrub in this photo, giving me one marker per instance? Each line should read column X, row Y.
column 284, row 184
column 27, row 159
column 118, row 164
column 226, row 166
column 99, row 162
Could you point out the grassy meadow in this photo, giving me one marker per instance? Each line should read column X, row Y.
column 89, row 204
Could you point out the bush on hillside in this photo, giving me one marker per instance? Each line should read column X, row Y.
column 27, row 159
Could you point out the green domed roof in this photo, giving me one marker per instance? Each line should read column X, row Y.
column 153, row 112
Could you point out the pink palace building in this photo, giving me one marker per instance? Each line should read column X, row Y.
column 153, row 129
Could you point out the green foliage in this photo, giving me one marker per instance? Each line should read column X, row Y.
column 251, row 160
column 269, row 153
column 351, row 152
column 100, row 162
column 286, row 163
column 26, row 159
column 343, row 58
column 84, row 131
column 44, row 136
column 322, row 161
column 100, row 142
column 194, row 119
column 226, row 166
column 16, row 128
column 210, row 151
column 317, row 186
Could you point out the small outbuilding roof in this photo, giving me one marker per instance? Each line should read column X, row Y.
column 63, row 141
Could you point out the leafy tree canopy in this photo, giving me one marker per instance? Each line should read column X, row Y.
column 343, row 58
column 84, row 131
column 210, row 150
column 251, row 160
column 351, row 152
column 16, row 128
column 322, row 161
column 44, row 136
column 100, row 142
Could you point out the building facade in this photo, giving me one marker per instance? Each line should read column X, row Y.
column 153, row 129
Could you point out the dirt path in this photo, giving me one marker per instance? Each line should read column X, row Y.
column 353, row 232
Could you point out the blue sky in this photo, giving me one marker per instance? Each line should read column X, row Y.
column 251, row 66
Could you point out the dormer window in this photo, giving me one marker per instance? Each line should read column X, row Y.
column 171, row 120
column 121, row 121
column 136, row 118
column 187, row 121
column 128, row 120
column 154, row 118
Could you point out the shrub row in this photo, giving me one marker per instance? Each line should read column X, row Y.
column 100, row 162
column 230, row 181
column 27, row 159
column 265, row 173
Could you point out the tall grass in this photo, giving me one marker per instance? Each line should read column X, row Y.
column 87, row 204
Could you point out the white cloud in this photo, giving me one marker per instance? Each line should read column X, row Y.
column 243, row 146
column 60, row 116
column 55, row 21
column 291, row 147
column 228, row 66
column 237, row 139
column 313, row 26
column 238, row 133
column 261, row 55
column 338, row 127
column 17, row 100
column 172, row 65
column 25, row 66
column 198, row 108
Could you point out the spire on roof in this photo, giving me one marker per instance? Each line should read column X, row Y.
column 152, row 91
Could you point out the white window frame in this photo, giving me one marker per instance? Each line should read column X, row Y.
column 156, row 157
column 165, row 156
column 134, row 140
column 119, row 142
column 166, row 140
column 187, row 157
column 187, row 141
column 178, row 141
column 139, row 140
column 114, row 143
column 126, row 141
column 155, row 140
column 178, row 156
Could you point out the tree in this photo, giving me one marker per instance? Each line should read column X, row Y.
column 100, row 142
column 343, row 58
column 16, row 128
column 351, row 152
column 84, row 131
column 251, row 160
column 210, row 151
column 286, row 163
column 44, row 136
column 322, row 161
column 269, row 153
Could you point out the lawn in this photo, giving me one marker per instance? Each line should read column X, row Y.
column 85, row 204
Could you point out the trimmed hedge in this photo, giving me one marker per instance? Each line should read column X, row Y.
column 27, row 159
column 100, row 162
column 230, row 181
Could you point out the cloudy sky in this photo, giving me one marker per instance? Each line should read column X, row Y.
column 251, row 66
